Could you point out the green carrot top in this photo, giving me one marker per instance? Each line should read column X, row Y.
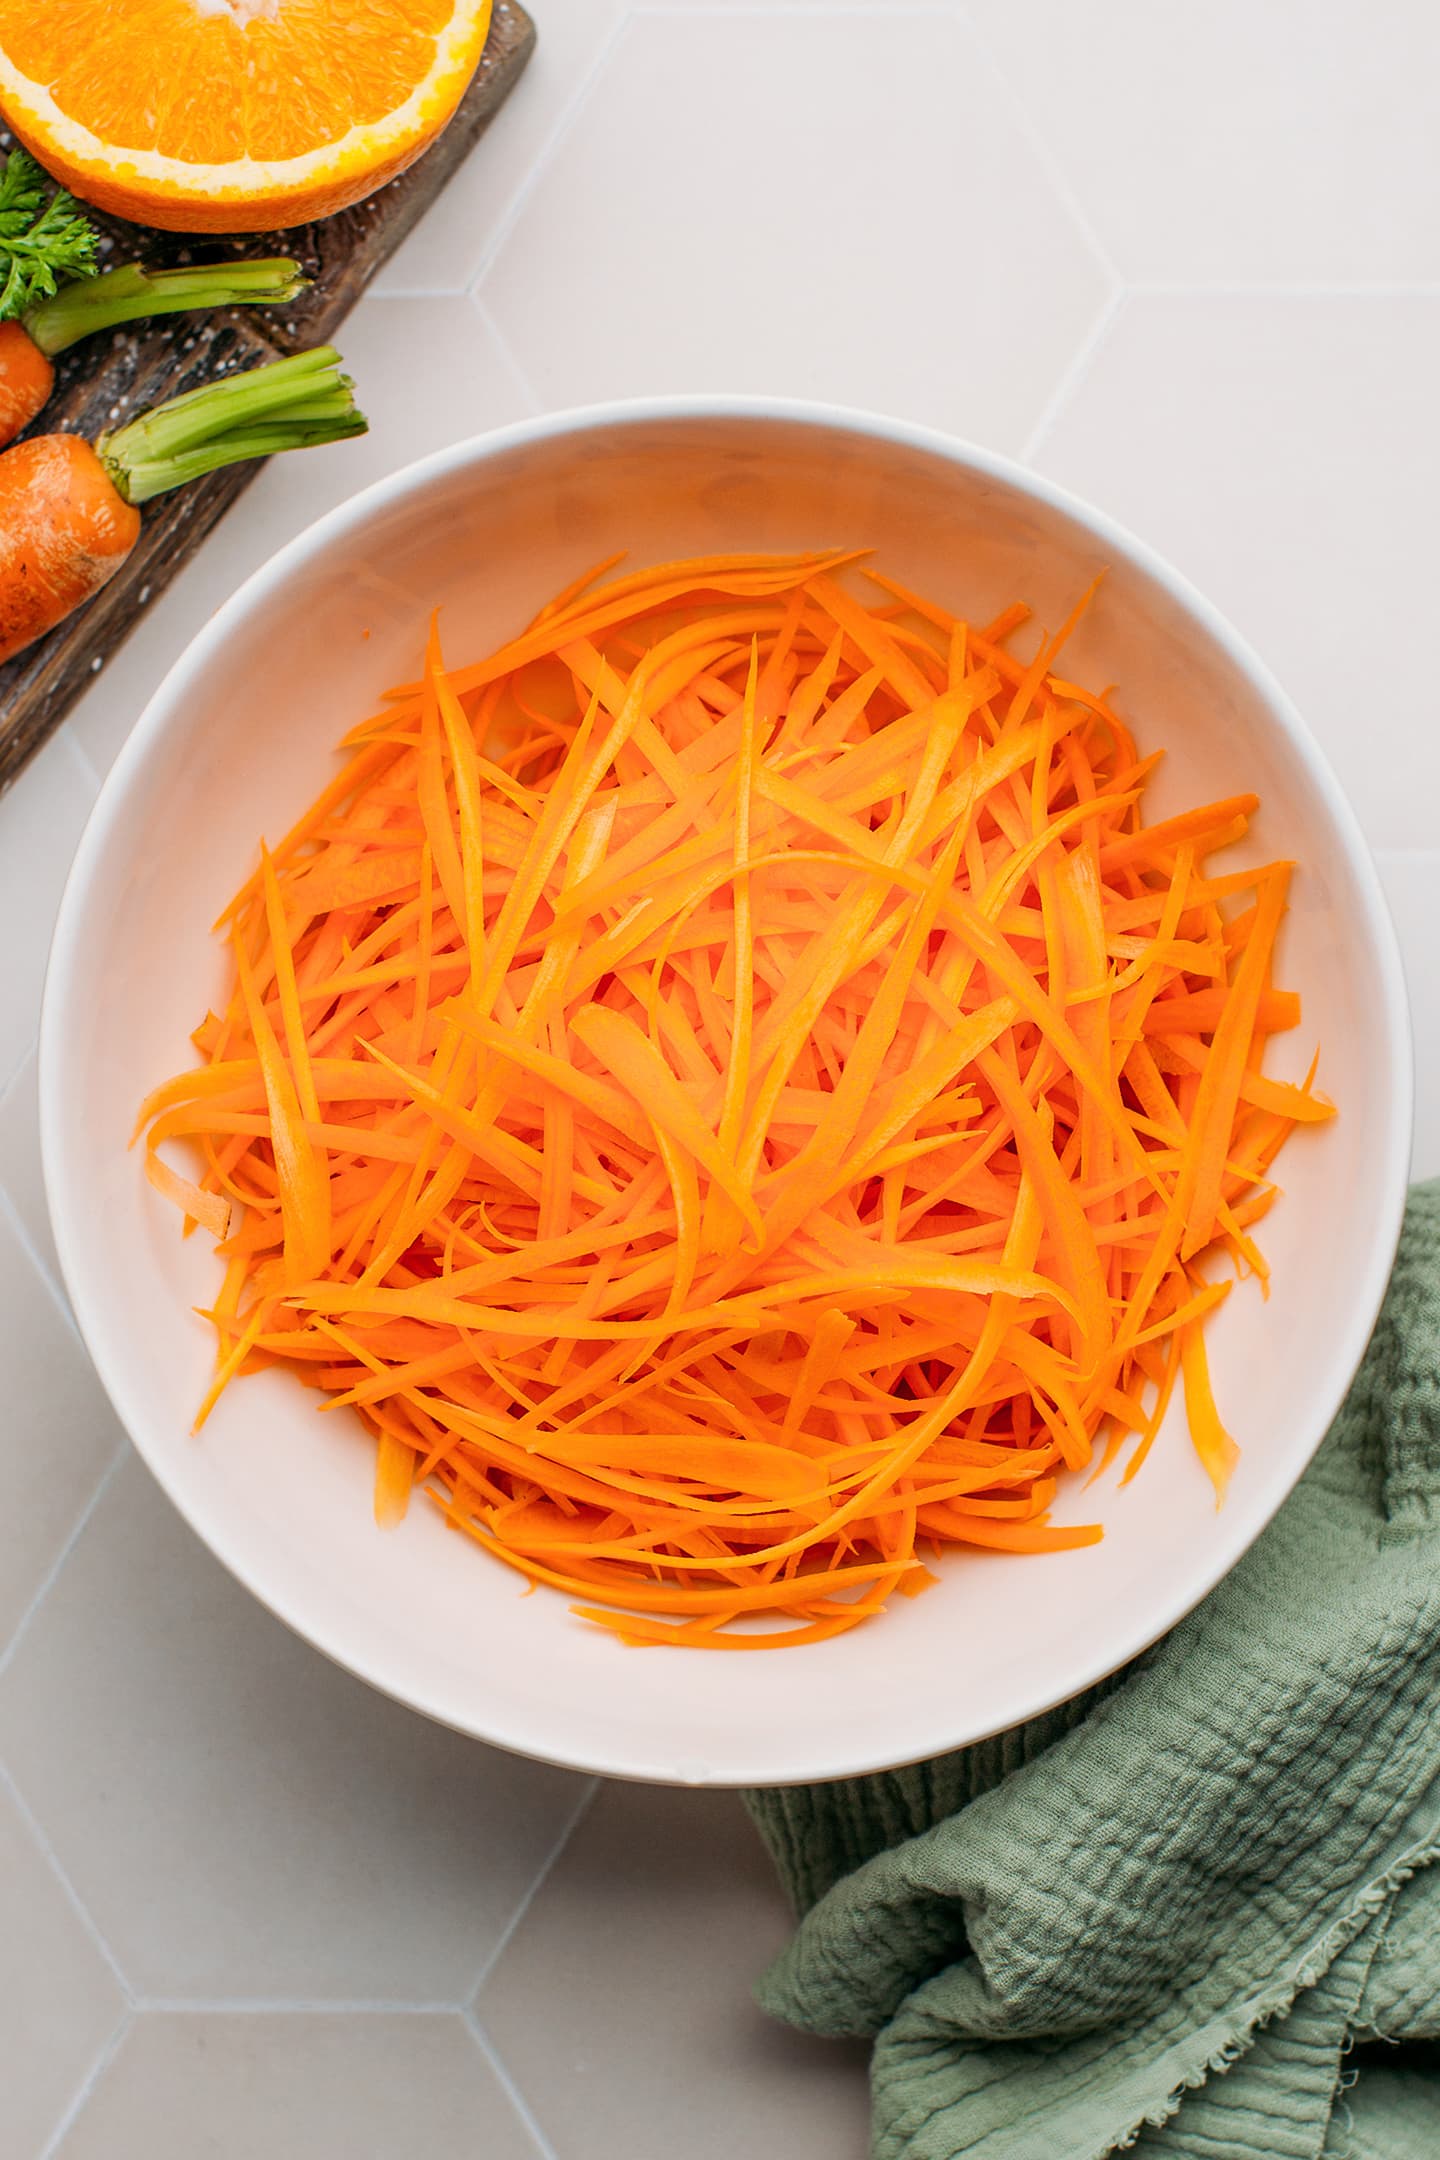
column 288, row 404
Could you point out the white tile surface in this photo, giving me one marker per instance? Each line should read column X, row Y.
column 57, row 1436
column 20, row 1167
column 304, row 2087
column 243, row 1820
column 739, row 205
column 1232, row 143
column 39, row 826
column 59, row 2000
column 638, row 1953
column 925, row 208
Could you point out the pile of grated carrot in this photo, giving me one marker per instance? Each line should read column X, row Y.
column 735, row 1097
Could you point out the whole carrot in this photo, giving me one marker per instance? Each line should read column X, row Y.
column 68, row 515
column 64, row 530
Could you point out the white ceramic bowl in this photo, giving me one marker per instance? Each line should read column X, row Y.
column 239, row 738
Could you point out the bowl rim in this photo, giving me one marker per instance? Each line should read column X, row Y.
column 164, row 710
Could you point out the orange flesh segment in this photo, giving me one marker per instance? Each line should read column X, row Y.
column 208, row 84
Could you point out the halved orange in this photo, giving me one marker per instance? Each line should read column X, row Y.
column 233, row 115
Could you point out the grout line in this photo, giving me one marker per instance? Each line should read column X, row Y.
column 1040, row 146
column 539, row 163
column 567, row 1831
column 11, row 1214
column 544, row 2149
column 1073, row 375
column 48, row 1579
column 9, row 1074
column 10, row 1210
column 7, row 1083
column 519, row 380
column 82, row 756
column 285, row 2006
column 81, row 1910
column 88, row 2084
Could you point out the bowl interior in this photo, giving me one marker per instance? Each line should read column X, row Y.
column 239, row 739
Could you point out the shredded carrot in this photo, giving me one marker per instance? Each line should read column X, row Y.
column 732, row 1094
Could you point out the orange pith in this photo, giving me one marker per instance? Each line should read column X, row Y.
column 227, row 114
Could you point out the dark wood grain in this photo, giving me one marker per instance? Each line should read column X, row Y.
column 102, row 381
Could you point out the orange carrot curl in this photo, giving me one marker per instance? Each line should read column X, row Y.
column 734, row 1097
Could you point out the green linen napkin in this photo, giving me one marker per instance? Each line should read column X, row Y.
column 1164, row 1915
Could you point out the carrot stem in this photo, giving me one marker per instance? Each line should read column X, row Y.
column 289, row 404
column 133, row 291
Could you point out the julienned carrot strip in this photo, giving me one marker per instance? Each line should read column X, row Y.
column 304, row 1183
column 1213, row 1444
column 209, row 1209
column 729, row 1090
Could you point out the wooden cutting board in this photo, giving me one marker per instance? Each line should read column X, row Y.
column 102, row 380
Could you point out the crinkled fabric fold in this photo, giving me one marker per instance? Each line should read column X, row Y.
column 1176, row 1914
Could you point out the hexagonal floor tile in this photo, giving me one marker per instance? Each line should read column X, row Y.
column 1277, row 144
column 302, row 2086
column 59, row 2001
column 732, row 210
column 426, row 373
column 623, row 1997
column 1283, row 452
column 243, row 1819
column 58, row 1433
